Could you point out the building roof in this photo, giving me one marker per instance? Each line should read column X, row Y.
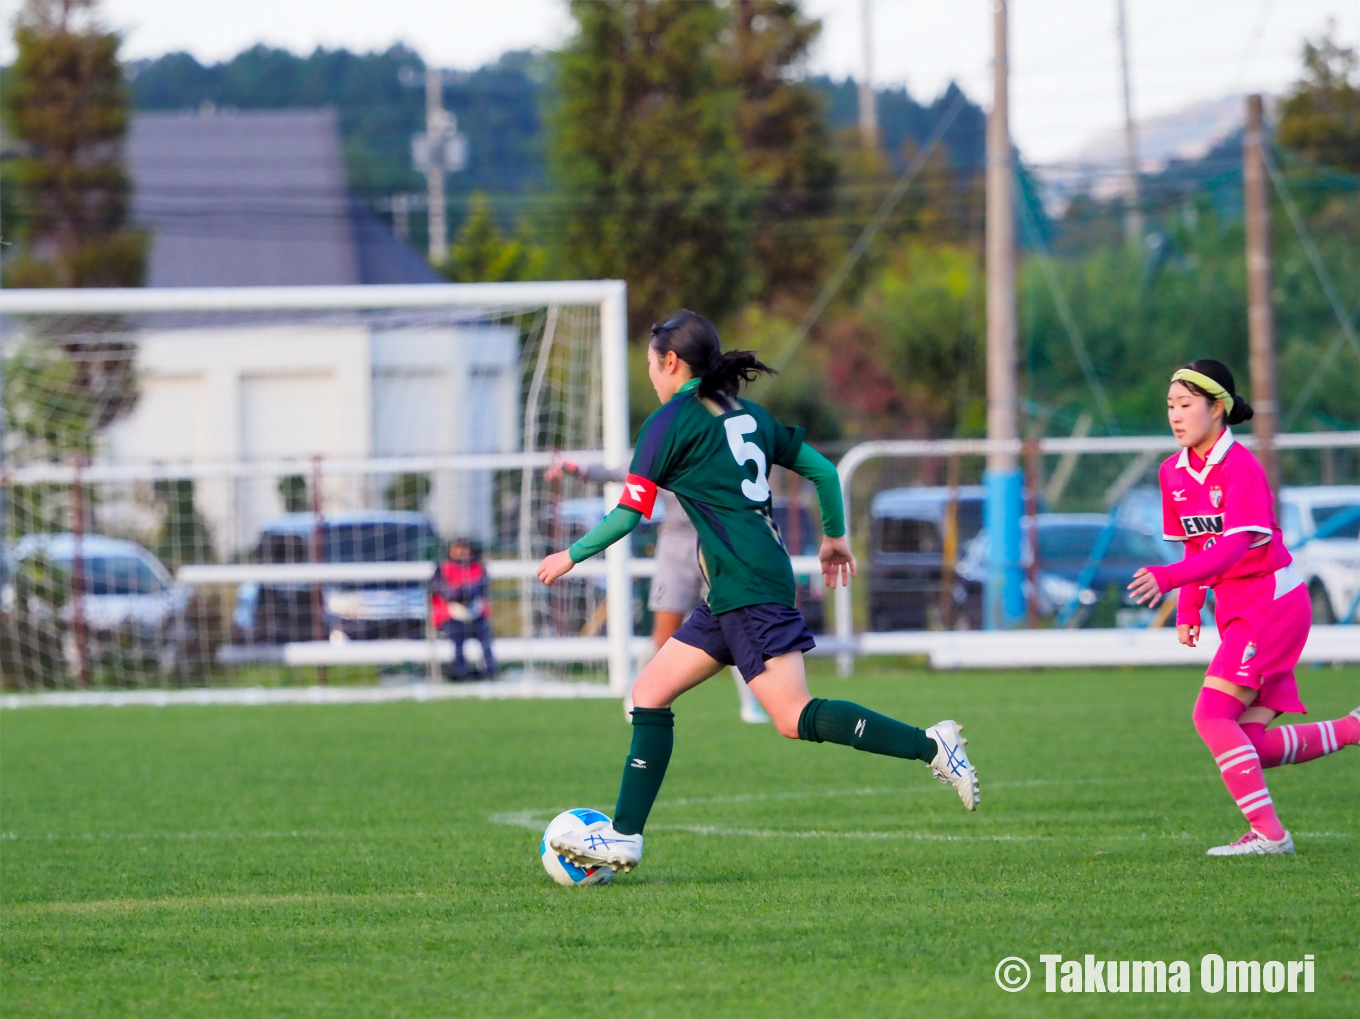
column 256, row 198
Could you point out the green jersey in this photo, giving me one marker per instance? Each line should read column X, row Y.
column 715, row 455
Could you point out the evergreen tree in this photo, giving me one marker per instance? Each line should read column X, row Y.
column 68, row 103
column 645, row 159
column 1320, row 118
column 786, row 157
column 481, row 253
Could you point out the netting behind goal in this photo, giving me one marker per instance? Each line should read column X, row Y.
column 208, row 487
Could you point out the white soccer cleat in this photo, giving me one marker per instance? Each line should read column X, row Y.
column 1253, row 843
column 754, row 714
column 602, row 847
column 951, row 765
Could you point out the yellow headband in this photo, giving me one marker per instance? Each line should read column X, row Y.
column 1207, row 384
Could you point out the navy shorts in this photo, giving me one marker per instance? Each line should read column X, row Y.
column 747, row 637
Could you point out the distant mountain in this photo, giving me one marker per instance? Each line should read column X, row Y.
column 1174, row 150
column 901, row 119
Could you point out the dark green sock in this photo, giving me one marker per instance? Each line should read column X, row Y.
column 844, row 722
column 653, row 737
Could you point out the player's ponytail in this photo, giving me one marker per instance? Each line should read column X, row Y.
column 695, row 341
column 1212, row 380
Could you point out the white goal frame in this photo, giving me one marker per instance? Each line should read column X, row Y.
column 609, row 296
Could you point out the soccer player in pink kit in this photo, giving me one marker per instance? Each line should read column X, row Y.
column 1215, row 499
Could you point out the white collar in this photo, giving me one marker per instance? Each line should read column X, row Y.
column 1215, row 456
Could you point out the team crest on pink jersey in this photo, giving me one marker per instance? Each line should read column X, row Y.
column 1216, row 496
column 1249, row 653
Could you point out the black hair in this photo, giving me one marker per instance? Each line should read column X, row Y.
column 695, row 341
column 473, row 546
column 1218, row 371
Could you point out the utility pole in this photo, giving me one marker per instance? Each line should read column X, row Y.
column 440, row 149
column 1133, row 197
column 868, row 102
column 1260, row 300
column 1005, row 600
column 436, row 123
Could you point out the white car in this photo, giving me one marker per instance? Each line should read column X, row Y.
column 125, row 585
column 1321, row 526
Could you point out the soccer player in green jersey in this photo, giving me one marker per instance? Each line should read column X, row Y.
column 714, row 450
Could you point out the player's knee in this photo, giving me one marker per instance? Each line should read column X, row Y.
column 647, row 694
column 785, row 723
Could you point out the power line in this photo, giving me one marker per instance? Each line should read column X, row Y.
column 1310, row 249
column 1068, row 320
column 1319, row 373
column 869, row 232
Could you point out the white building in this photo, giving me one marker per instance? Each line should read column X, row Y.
column 211, row 396
column 260, row 199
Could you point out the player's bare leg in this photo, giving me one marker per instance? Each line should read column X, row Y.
column 751, row 711
column 675, row 668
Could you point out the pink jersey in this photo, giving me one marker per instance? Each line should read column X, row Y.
column 1227, row 493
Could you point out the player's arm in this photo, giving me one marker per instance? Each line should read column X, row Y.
column 617, row 524
column 1151, row 582
column 838, row 565
column 597, row 473
column 637, row 501
column 1189, row 604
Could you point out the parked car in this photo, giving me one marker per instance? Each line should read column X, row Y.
column 282, row 613
column 1321, row 526
column 906, row 552
column 1074, row 576
column 131, row 606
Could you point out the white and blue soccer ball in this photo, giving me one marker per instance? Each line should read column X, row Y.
column 582, row 820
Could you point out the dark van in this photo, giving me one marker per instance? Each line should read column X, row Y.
column 282, row 613
column 906, row 553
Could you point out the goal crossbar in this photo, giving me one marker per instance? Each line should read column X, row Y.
column 129, row 300
column 415, row 572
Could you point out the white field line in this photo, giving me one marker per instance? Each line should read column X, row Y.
column 535, row 820
column 258, row 696
column 213, row 901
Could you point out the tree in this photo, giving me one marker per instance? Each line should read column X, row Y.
column 787, row 162
column 481, row 253
column 909, row 358
column 1320, row 118
column 67, row 103
column 644, row 156
column 407, row 492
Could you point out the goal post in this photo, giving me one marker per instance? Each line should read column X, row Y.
column 198, row 426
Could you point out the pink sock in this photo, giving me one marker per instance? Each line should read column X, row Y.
column 1216, row 715
column 1307, row 741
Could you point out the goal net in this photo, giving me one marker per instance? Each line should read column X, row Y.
column 262, row 485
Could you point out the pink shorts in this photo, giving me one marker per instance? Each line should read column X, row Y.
column 1260, row 648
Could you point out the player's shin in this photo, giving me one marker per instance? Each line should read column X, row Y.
column 645, row 768
column 1306, row 741
column 845, row 722
column 1216, row 715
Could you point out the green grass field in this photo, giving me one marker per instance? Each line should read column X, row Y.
column 382, row 860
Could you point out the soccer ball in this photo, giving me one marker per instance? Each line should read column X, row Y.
column 559, row 868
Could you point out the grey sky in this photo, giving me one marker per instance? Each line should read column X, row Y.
column 1065, row 87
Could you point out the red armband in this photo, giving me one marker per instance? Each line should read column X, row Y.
column 638, row 494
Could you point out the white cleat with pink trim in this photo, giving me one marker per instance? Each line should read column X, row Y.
column 1253, row 843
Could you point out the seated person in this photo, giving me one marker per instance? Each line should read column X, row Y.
column 460, row 599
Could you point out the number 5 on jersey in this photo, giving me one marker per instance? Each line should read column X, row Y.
column 744, row 451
